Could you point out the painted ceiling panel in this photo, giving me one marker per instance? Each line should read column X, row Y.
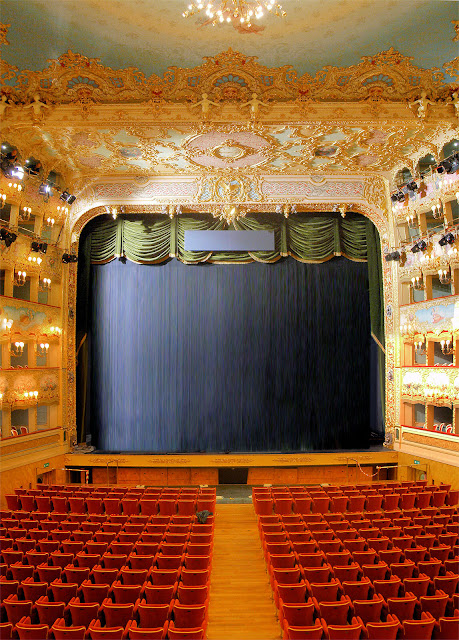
column 151, row 34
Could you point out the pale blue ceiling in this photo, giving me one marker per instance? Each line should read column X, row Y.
column 151, row 34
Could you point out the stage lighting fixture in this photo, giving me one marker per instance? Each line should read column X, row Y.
column 394, row 256
column 8, row 237
column 69, row 257
column 17, row 172
column 394, row 197
column 400, row 196
column 67, row 197
column 448, row 238
column 421, row 245
column 412, row 186
column 7, row 168
column 44, row 189
column 41, row 247
column 445, row 166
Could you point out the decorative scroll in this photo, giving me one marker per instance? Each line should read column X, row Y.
column 228, row 77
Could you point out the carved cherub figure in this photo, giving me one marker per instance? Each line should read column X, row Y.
column 3, row 105
column 455, row 102
column 205, row 105
column 422, row 102
column 254, row 105
column 36, row 107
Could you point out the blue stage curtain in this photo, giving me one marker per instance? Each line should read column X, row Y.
column 220, row 357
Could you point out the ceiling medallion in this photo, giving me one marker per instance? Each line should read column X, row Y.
column 229, row 151
column 236, row 12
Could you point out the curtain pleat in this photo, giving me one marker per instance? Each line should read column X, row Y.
column 307, row 238
column 154, row 239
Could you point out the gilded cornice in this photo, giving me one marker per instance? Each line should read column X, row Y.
column 228, row 76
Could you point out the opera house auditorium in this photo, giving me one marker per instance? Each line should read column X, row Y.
column 229, row 320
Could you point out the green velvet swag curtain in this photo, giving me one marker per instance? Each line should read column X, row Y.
column 306, row 238
column 154, row 239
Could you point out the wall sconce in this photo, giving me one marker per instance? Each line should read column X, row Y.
column 31, row 395
column 25, row 213
column 20, row 278
column 436, row 209
column 16, row 349
column 6, row 324
column 15, row 185
column 447, row 347
column 42, row 348
column 407, row 329
column 2, row 200
column 411, row 220
column 444, row 275
column 457, row 195
column 62, row 210
column 50, row 221
column 35, row 260
column 44, row 284
column 56, row 331
column 420, row 346
column 417, row 283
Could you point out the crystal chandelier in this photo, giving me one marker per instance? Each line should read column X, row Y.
column 243, row 12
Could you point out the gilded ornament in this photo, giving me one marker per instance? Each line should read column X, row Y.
column 422, row 103
column 37, row 106
column 205, row 105
column 374, row 192
column 254, row 104
column 455, row 24
column 3, row 31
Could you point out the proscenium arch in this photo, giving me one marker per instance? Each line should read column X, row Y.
column 372, row 213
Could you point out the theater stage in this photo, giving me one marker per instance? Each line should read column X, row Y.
column 236, row 468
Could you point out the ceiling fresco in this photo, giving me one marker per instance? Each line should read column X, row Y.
column 275, row 149
column 152, row 34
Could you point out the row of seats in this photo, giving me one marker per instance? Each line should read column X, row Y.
column 112, row 505
column 88, row 490
column 330, row 581
column 25, row 629
column 285, row 500
column 117, row 575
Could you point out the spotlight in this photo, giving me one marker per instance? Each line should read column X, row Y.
column 445, row 167
column 394, row 197
column 449, row 165
column 412, row 186
column 41, row 247
column 67, row 197
column 394, row 256
column 17, row 172
column 400, row 196
column 69, row 257
column 8, row 237
column 44, row 189
column 448, row 238
column 419, row 246
column 7, row 168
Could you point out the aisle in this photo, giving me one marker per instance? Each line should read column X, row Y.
column 241, row 605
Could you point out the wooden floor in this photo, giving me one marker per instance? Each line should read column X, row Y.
column 241, row 604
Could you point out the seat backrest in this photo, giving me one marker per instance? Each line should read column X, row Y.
column 419, row 629
column 187, row 616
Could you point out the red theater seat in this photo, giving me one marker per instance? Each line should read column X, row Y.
column 419, row 629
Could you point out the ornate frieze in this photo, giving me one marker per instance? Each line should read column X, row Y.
column 228, row 76
column 14, row 384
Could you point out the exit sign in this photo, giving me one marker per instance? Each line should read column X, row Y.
column 417, row 462
column 46, row 465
